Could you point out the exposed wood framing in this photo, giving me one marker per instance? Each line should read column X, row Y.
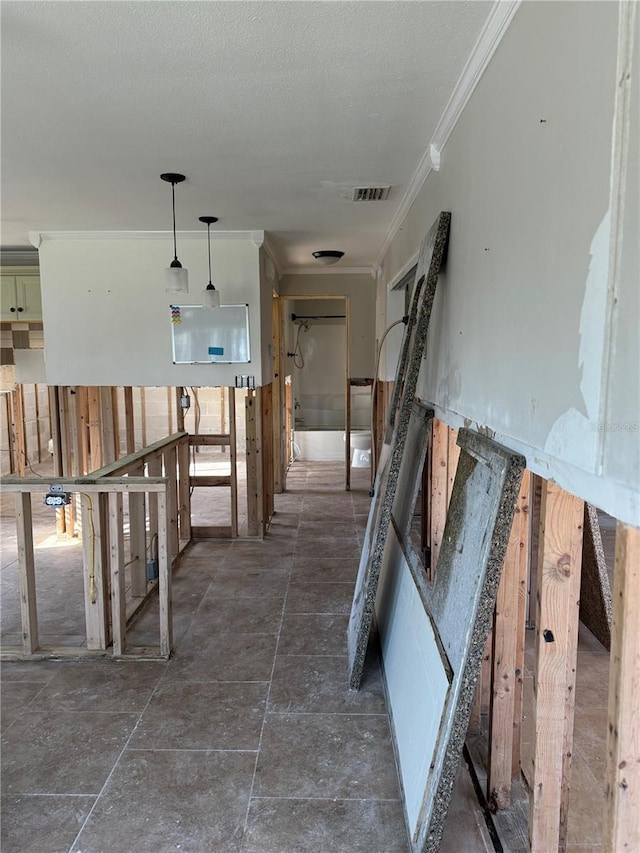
column 129, row 420
column 179, row 411
column 233, row 458
column 10, row 433
column 164, row 568
column 115, row 417
column 107, row 414
column 453, row 454
column 138, row 540
column 36, row 401
column 143, row 416
column 508, row 637
column 439, row 488
column 170, row 457
column 95, row 428
column 20, row 442
column 254, row 465
column 622, row 792
column 95, row 573
column 558, row 594
column 118, row 603
column 55, row 429
column 184, row 492
column 266, row 409
column 26, row 563
column 279, row 457
column 347, row 433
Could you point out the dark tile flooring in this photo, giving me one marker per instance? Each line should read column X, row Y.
column 247, row 739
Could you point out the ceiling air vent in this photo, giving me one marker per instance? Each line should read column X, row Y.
column 371, row 193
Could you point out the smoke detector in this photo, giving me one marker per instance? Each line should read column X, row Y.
column 371, row 193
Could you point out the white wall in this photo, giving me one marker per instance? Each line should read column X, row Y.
column 519, row 327
column 106, row 313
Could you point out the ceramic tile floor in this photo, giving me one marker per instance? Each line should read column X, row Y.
column 247, row 739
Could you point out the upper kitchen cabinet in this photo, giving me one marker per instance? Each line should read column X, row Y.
column 20, row 299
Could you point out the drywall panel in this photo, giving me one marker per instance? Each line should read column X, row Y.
column 361, row 291
column 113, row 326
column 519, row 328
column 30, row 366
column 415, row 675
column 398, row 434
column 459, row 606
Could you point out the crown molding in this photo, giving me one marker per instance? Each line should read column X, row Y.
column 19, row 257
column 492, row 33
column 270, row 251
column 329, row 271
column 36, row 238
column 413, row 260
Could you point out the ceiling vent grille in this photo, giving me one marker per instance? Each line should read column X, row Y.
column 371, row 193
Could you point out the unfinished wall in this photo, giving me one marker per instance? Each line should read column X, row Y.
column 521, row 320
column 113, row 326
column 520, row 324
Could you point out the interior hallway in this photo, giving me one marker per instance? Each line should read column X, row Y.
column 247, row 739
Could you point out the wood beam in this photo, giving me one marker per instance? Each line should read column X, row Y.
column 138, row 540
column 254, row 466
column 233, row 458
column 118, row 602
column 439, row 488
column 622, row 791
column 508, row 636
column 26, row 563
column 129, row 420
column 558, row 594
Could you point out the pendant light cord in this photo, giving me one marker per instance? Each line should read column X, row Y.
column 209, row 245
column 173, row 205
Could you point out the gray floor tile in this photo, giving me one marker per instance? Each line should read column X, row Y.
column 345, row 548
column 320, row 569
column 313, row 635
column 209, row 715
column 317, row 684
column 325, row 826
column 309, row 597
column 226, row 657
column 249, row 582
column 158, row 801
column 100, row 686
column 37, row 824
column 239, row 615
column 62, row 752
column 15, row 696
column 326, row 755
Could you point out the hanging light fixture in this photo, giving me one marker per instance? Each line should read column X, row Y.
column 210, row 296
column 175, row 276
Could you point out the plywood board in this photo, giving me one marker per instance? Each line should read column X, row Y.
column 432, row 253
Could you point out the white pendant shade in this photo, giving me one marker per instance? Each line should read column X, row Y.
column 210, row 298
column 176, row 280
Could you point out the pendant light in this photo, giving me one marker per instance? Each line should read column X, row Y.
column 210, row 296
column 175, row 276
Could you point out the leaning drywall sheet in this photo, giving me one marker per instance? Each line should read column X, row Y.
column 432, row 253
column 460, row 604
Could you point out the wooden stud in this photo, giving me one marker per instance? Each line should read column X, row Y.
column 118, row 603
column 129, row 420
column 179, row 411
column 534, row 515
column 165, row 524
column 622, row 792
column 93, row 540
column 143, row 416
column 138, row 541
column 523, row 567
column 233, row 452
column 170, row 458
column 115, row 414
column 558, row 593
column 223, row 416
column 154, row 469
column 95, row 430
column 288, row 422
column 184, row 490
column 36, row 400
column 107, row 415
column 347, row 434
column 439, row 487
column 266, row 416
column 279, row 468
column 68, row 465
column 26, row 563
column 10, row 434
column 170, row 408
column 19, row 430
column 254, row 466
column 506, row 679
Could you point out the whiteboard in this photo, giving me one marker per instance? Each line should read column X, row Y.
column 210, row 335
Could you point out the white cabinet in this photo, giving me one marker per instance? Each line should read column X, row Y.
column 20, row 299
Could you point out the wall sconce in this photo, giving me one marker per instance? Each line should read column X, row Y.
column 210, row 296
column 175, row 276
column 328, row 256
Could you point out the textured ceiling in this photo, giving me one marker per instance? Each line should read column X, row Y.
column 273, row 110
